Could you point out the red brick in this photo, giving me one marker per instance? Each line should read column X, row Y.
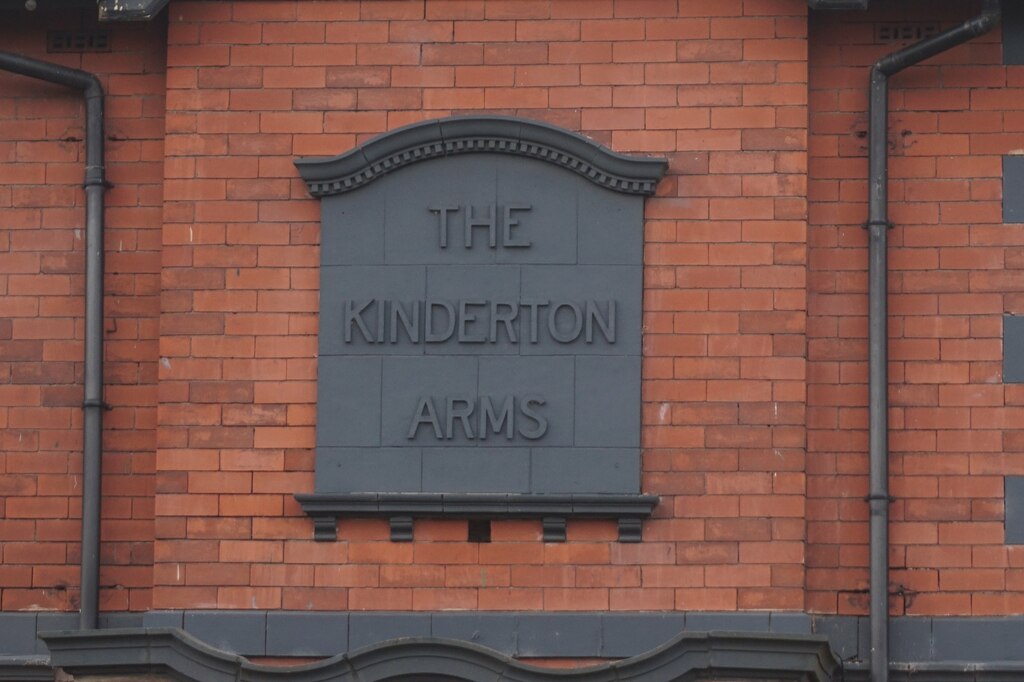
column 377, row 598
column 706, row 599
column 387, row 54
column 510, row 599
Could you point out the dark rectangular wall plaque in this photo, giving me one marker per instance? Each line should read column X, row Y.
column 480, row 319
column 1014, row 510
column 470, row 368
column 1013, row 349
column 1013, row 32
column 1013, row 189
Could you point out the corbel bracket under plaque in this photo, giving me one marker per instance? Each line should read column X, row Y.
column 553, row 510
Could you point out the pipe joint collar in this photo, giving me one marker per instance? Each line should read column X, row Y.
column 94, row 175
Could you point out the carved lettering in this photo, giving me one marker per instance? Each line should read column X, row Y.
column 606, row 324
column 534, row 307
column 563, row 333
column 432, row 335
column 506, row 318
column 527, row 408
column 457, row 413
column 466, row 319
column 490, row 420
column 425, row 414
column 473, row 221
column 460, row 408
column 442, row 222
column 410, row 322
column 487, row 216
column 476, row 320
column 508, row 223
column 382, row 316
column 354, row 315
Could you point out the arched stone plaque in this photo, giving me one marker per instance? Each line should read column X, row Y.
column 480, row 327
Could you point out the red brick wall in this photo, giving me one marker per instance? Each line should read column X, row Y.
column 956, row 269
column 718, row 86
column 755, row 350
column 41, row 316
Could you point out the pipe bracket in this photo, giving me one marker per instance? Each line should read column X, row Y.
column 97, row 403
column 871, row 223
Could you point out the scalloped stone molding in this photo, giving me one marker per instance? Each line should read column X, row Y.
column 481, row 135
column 173, row 654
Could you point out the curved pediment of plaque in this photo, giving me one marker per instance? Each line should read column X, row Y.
column 480, row 135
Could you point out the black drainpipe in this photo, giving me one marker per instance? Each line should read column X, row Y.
column 878, row 334
column 93, row 404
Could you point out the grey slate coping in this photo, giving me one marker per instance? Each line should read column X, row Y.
column 1013, row 346
column 625, row 634
column 313, row 634
column 496, row 631
column 368, row 629
column 1013, row 185
column 1014, row 509
column 575, row 634
column 25, row 669
column 961, row 641
column 18, row 633
column 228, row 630
column 951, row 649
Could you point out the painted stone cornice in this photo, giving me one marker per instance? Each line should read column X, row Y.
column 172, row 653
column 480, row 135
column 24, row 669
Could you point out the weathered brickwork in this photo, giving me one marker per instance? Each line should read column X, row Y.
column 755, row 307
column 956, row 269
column 718, row 87
column 41, row 316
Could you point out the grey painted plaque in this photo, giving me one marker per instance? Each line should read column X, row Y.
column 1013, row 189
column 1014, row 506
column 1013, row 349
column 480, row 314
column 1013, row 32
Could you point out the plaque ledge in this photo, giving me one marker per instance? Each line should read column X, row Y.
column 327, row 509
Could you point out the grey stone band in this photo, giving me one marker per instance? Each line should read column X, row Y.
column 919, row 641
column 957, row 649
